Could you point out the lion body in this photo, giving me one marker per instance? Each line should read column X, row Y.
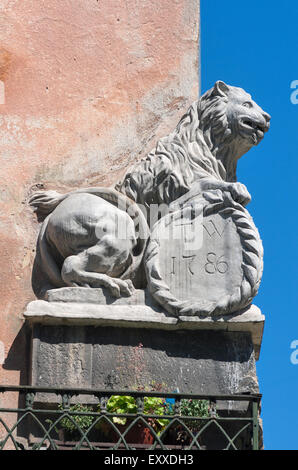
column 202, row 152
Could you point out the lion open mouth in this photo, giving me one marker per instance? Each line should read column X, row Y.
column 258, row 128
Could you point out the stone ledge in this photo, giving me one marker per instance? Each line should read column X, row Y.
column 142, row 316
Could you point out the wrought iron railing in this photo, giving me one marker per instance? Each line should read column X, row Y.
column 53, row 419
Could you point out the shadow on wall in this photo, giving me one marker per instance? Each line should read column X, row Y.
column 19, row 355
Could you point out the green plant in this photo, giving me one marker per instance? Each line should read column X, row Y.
column 192, row 408
column 199, row 408
column 82, row 422
column 124, row 404
column 156, row 406
column 121, row 404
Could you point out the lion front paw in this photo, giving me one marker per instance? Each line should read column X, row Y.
column 240, row 193
column 119, row 287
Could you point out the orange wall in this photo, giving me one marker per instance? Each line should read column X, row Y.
column 90, row 85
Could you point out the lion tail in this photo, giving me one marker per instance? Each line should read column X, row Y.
column 44, row 202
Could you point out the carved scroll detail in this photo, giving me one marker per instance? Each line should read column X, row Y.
column 252, row 263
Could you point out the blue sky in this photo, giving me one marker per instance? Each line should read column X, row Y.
column 255, row 45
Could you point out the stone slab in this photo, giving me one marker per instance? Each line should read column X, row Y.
column 142, row 316
column 203, row 362
column 99, row 296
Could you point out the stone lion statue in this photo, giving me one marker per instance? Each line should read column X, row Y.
column 79, row 245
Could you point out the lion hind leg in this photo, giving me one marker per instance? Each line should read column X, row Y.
column 46, row 273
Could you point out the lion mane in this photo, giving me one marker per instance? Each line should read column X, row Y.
column 189, row 153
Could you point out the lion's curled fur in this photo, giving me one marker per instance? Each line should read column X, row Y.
column 186, row 155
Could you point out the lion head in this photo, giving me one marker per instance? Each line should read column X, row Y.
column 231, row 121
column 208, row 141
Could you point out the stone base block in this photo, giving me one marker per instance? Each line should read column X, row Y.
column 129, row 346
column 203, row 361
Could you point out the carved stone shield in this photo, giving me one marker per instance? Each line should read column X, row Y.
column 205, row 258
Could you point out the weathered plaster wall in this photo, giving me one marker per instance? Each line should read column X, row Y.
column 89, row 87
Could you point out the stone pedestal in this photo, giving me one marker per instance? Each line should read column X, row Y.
column 124, row 346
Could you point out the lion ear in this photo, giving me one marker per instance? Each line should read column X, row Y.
column 220, row 88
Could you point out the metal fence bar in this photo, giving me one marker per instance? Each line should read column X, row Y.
column 255, row 417
column 135, row 393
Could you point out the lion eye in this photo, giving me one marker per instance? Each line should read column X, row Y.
column 247, row 104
